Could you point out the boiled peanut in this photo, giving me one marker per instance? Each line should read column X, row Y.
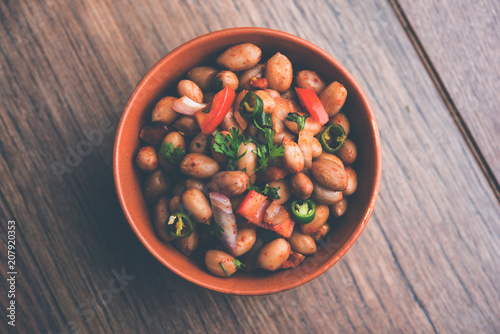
column 273, row 255
column 316, row 148
column 203, row 76
column 322, row 213
column 302, row 243
column 156, row 184
column 199, row 166
column 188, row 244
column 161, row 215
column 163, row 111
column 187, row 125
column 240, row 57
column 352, row 184
column 321, row 232
column 301, row 185
column 257, row 71
column 341, row 120
column 215, row 260
column 329, row 174
column 348, row 152
column 284, row 191
column 279, row 73
column 175, row 138
column 147, row 159
column 197, row 205
column 339, row 208
column 194, row 183
column 293, row 156
column 198, row 144
column 245, row 239
column 248, row 162
column 310, row 80
column 268, row 102
column 333, row 98
column 325, row 196
column 226, row 79
column 331, row 157
column 229, row 183
column 190, row 89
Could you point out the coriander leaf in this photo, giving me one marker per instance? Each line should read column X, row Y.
column 238, row 264
column 229, row 145
column 300, row 120
column 171, row 154
column 267, row 191
column 224, row 268
column 271, row 192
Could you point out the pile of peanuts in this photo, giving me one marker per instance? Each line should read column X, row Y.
column 302, row 172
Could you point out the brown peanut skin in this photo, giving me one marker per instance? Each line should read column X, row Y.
column 156, row 184
column 352, row 184
column 279, row 73
column 245, row 240
column 228, row 79
column 197, row 205
column 229, row 183
column 199, row 166
column 338, row 209
column 213, row 260
column 188, row 244
column 163, row 111
column 341, row 120
column 190, row 89
column 240, row 57
column 333, row 98
column 310, row 80
column 273, row 255
column 203, row 76
column 329, row 174
column 284, row 190
column 147, row 159
column 302, row 243
column 161, row 215
column 322, row 213
column 301, row 185
column 348, row 152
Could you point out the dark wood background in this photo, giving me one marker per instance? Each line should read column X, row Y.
column 428, row 261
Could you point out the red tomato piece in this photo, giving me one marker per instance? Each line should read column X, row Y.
column 219, row 107
column 253, row 207
column 311, row 102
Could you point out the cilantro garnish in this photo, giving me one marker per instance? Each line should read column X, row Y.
column 171, row 154
column 300, row 120
column 224, row 268
column 267, row 191
column 239, row 264
column 229, row 145
column 268, row 151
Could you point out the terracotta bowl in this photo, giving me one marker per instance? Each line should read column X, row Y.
column 162, row 79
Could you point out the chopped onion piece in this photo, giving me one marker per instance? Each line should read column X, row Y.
column 186, row 106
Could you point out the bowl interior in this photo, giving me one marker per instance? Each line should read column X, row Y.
column 161, row 81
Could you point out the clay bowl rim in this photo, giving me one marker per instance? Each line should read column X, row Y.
column 227, row 33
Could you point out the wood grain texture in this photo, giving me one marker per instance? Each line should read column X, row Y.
column 462, row 41
column 428, row 260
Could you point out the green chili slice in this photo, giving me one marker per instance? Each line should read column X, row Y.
column 303, row 211
column 264, row 120
column 251, row 105
column 333, row 138
column 179, row 225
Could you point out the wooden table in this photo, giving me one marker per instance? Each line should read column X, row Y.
column 428, row 261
